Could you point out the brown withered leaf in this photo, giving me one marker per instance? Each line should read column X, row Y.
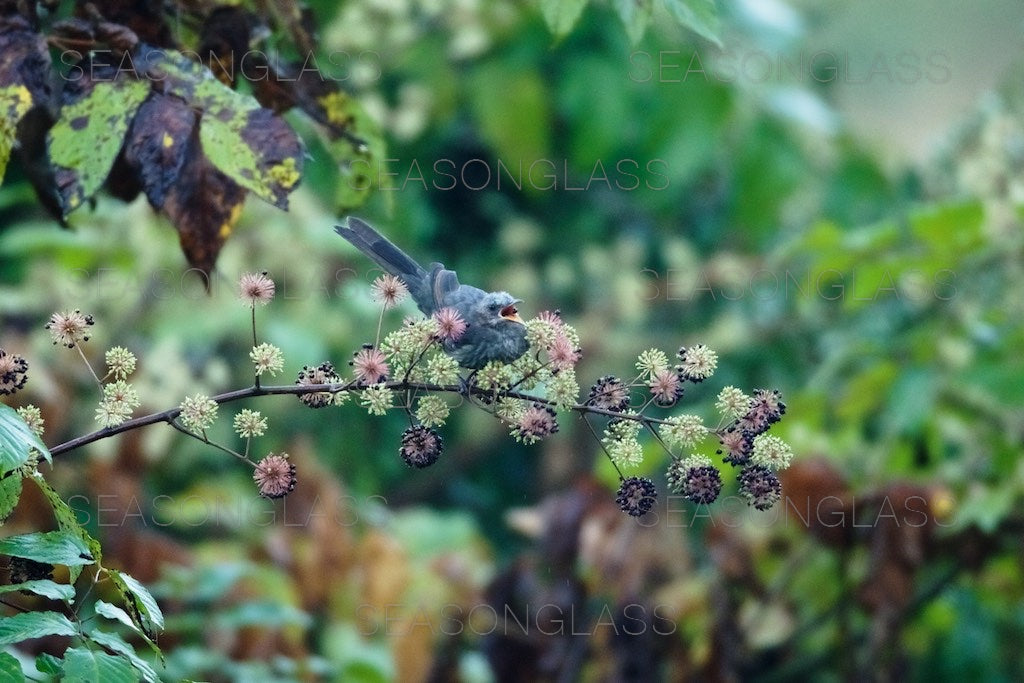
column 24, row 59
column 204, row 205
column 158, row 145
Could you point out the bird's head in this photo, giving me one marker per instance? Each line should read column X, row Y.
column 498, row 308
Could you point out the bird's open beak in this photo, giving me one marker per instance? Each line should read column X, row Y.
column 511, row 313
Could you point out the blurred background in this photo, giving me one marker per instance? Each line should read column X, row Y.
column 830, row 198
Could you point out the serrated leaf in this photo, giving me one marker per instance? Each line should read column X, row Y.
column 45, row 588
column 635, row 16
column 85, row 665
column 52, row 547
column 10, row 669
column 700, row 16
column 118, row 645
column 143, row 609
column 105, row 609
column 10, row 494
column 68, row 521
column 89, row 134
column 27, row 625
column 562, row 15
column 17, row 440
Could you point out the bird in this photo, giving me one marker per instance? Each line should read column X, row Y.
column 494, row 330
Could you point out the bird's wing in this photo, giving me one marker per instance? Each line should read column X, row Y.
column 443, row 283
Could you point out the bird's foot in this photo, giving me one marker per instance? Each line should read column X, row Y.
column 466, row 384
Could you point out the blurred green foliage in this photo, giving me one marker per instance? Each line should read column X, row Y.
column 658, row 207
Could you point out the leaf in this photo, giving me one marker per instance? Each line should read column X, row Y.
column 10, row 669
column 105, row 609
column 88, row 135
column 204, row 205
column 85, row 665
column 52, row 547
column 24, row 79
column 562, row 15
column 17, row 440
column 45, row 588
column 67, row 521
column 159, row 144
column 253, row 146
column 700, row 16
column 118, row 645
column 10, row 494
column 15, row 101
column 142, row 606
column 635, row 16
column 48, row 664
column 34, row 625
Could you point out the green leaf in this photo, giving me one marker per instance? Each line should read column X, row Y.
column 105, row 609
column 118, row 645
column 67, row 521
column 48, row 664
column 700, row 16
column 10, row 669
column 142, row 606
column 17, row 440
column 34, row 625
column 85, row 665
column 10, row 494
column 44, row 587
column 635, row 16
column 53, row 547
column 15, row 100
column 562, row 15
column 87, row 137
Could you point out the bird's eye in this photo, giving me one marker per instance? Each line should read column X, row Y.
column 495, row 307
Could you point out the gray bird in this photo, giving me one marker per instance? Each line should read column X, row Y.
column 494, row 330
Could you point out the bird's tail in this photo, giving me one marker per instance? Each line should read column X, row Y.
column 389, row 257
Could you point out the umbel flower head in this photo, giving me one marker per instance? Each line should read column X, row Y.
column 33, row 417
column 697, row 363
column 636, row 496
column 450, row 325
column 256, row 288
column 68, row 329
column 267, row 358
column 665, row 387
column 120, row 362
column 13, row 369
column 320, row 374
column 389, row 290
column 766, row 408
column 609, row 393
column 696, row 479
column 369, row 365
column 119, row 400
column 275, row 476
column 421, row 446
column 537, row 422
column 198, row 412
column 249, row 423
column 760, row 486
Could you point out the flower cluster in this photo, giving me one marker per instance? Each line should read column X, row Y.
column 70, row 328
column 320, row 374
column 13, row 372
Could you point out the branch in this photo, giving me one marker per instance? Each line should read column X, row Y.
column 171, row 414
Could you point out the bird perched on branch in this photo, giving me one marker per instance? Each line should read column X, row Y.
column 494, row 330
